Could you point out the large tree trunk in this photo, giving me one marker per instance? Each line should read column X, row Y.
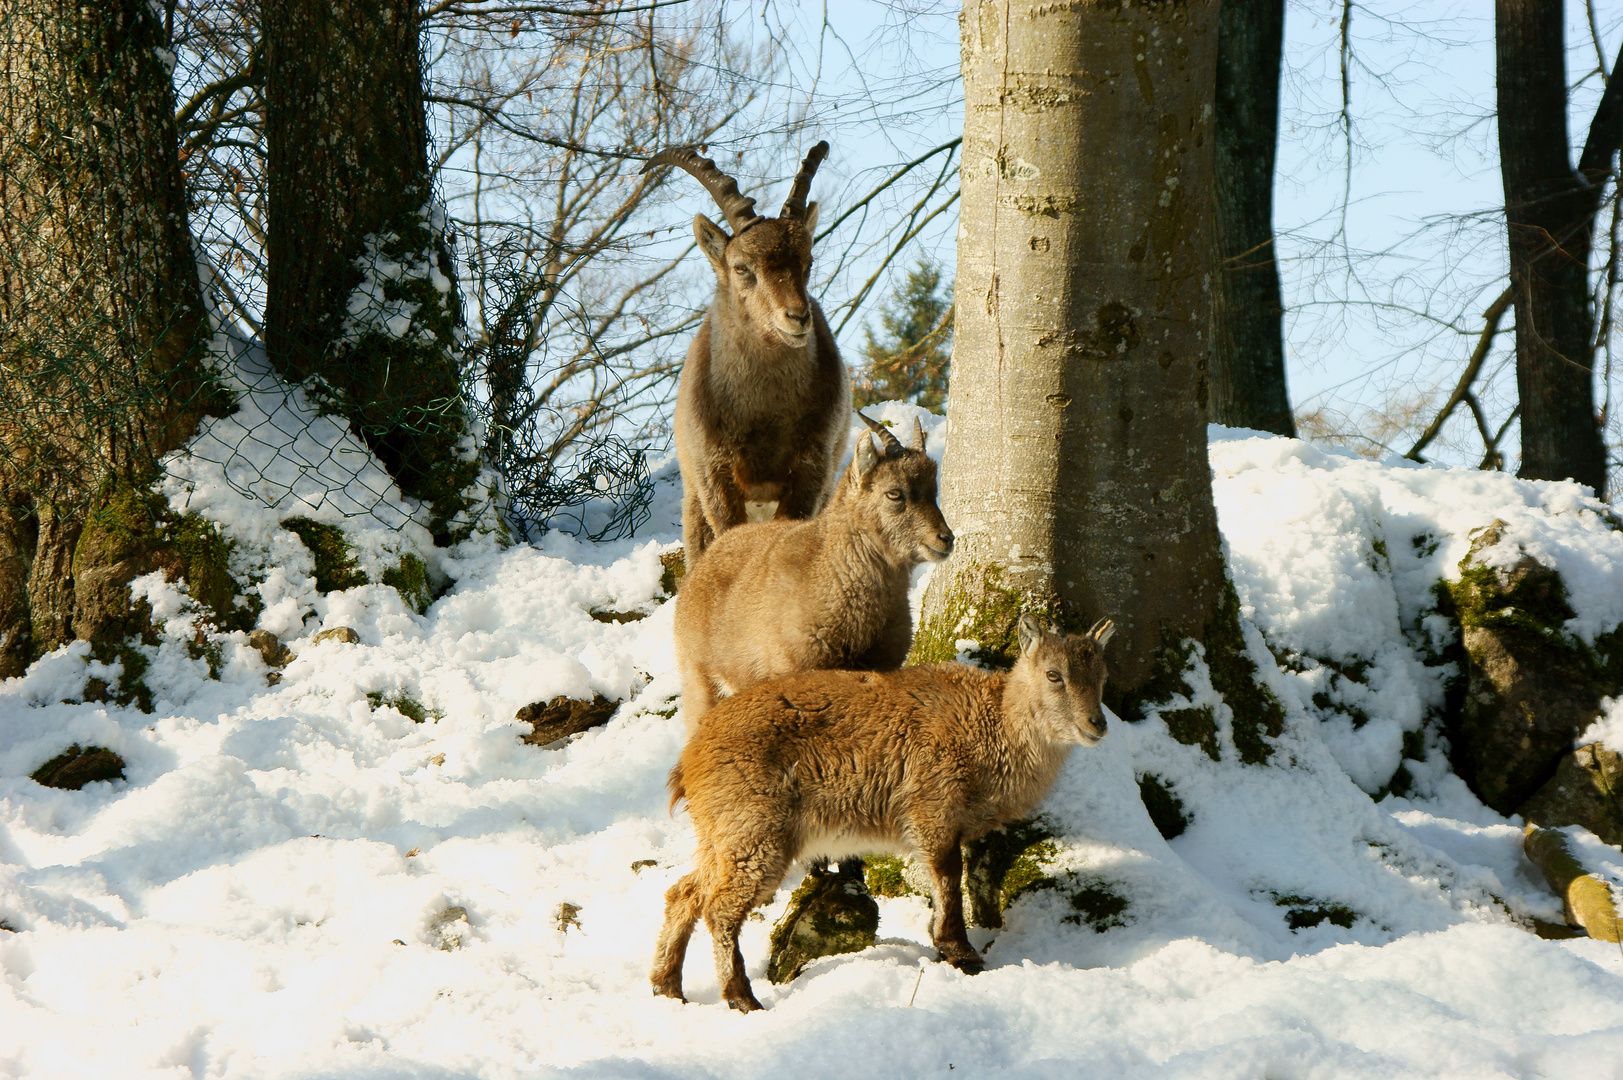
column 361, row 287
column 102, row 326
column 1076, row 475
column 1549, row 213
column 1248, row 346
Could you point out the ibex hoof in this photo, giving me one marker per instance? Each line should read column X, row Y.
column 744, row 1004
column 970, row 963
column 669, row 991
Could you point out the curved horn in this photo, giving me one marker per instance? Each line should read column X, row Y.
column 795, row 205
column 739, row 208
column 893, row 445
column 918, row 434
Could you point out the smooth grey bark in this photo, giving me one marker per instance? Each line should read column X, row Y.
column 1248, row 345
column 1076, row 474
column 102, row 325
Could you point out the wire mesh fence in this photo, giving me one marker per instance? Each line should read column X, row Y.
column 135, row 262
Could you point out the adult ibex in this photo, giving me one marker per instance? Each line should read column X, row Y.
column 777, row 597
column 917, row 761
column 764, row 401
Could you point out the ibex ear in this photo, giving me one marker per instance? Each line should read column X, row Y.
column 1102, row 630
column 918, row 435
column 867, row 456
column 712, row 241
column 811, row 219
column 1031, row 632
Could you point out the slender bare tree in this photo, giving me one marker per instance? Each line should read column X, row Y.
column 1248, row 345
column 1550, row 213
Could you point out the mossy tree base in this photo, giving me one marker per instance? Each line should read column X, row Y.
column 980, row 604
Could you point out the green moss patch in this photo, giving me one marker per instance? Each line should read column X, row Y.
column 1302, row 912
column 337, row 570
column 1096, row 905
column 409, row 578
column 335, row 558
column 75, row 767
column 1193, row 727
column 406, row 706
column 981, row 606
column 884, row 876
column 1257, row 714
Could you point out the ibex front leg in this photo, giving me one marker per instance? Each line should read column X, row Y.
column 946, row 862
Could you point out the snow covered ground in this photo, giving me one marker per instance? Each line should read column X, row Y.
column 272, row 890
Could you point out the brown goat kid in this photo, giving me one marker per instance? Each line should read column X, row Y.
column 917, row 761
column 762, row 404
column 777, row 597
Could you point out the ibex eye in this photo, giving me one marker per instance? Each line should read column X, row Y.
column 1054, row 676
column 894, row 493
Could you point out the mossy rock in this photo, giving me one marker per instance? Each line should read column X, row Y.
column 1166, row 810
column 674, row 567
column 1304, row 912
column 1531, row 687
column 830, row 913
column 1587, row 790
column 75, row 767
column 564, row 716
column 406, row 706
column 1005, row 864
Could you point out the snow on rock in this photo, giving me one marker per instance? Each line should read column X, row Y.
column 267, row 893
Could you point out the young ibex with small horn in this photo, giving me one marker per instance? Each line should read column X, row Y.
column 777, row 597
column 917, row 761
column 763, row 401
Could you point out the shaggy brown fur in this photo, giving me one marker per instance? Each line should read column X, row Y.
column 777, row 597
column 763, row 399
column 916, row 761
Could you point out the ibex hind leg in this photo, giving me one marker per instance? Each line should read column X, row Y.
column 684, row 902
column 726, row 909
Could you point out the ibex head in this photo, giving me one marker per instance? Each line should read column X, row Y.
column 1063, row 677
column 763, row 266
column 896, row 487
